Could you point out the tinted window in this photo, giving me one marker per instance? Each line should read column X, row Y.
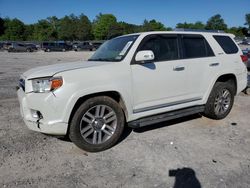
column 226, row 44
column 164, row 47
column 195, row 47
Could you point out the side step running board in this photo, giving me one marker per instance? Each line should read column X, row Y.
column 166, row 116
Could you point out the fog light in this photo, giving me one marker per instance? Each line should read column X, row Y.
column 36, row 114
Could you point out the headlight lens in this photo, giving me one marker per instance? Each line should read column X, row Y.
column 42, row 85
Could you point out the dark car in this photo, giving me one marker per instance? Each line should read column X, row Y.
column 55, row 46
column 19, row 47
column 31, row 46
column 1, row 45
column 97, row 44
column 83, row 46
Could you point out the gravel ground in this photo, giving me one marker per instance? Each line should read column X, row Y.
column 207, row 153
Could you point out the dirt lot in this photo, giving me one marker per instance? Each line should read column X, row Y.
column 208, row 153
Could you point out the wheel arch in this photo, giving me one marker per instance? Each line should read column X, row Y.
column 228, row 78
column 112, row 94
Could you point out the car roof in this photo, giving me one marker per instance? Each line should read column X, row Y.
column 204, row 33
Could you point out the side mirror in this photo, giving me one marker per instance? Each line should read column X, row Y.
column 144, row 56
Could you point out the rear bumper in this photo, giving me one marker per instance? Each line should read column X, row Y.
column 47, row 124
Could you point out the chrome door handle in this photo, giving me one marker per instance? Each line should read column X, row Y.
column 213, row 64
column 179, row 68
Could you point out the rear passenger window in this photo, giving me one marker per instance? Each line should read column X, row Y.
column 164, row 47
column 226, row 44
column 195, row 47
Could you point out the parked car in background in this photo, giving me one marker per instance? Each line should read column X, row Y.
column 97, row 44
column 55, row 46
column 1, row 45
column 19, row 47
column 83, row 46
column 247, row 53
column 245, row 42
column 6, row 45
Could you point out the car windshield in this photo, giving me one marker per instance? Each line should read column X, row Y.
column 115, row 49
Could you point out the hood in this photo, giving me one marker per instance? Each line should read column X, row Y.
column 50, row 70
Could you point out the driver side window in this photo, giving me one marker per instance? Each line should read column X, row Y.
column 165, row 47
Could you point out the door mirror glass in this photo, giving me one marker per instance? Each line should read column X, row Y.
column 144, row 56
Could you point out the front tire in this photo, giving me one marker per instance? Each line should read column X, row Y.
column 97, row 124
column 220, row 101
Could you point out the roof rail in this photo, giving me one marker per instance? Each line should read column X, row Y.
column 199, row 30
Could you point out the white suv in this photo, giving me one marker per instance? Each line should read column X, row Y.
column 134, row 80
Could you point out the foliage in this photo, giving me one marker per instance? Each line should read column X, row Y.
column 237, row 31
column 14, row 29
column 196, row 25
column 105, row 26
column 247, row 17
column 2, row 28
column 216, row 22
column 152, row 25
column 83, row 28
column 44, row 31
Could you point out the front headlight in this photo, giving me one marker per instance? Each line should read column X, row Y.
column 42, row 85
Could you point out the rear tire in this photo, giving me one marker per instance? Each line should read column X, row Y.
column 220, row 101
column 97, row 124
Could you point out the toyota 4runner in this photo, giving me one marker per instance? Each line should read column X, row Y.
column 135, row 80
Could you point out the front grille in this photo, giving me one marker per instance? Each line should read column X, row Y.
column 22, row 84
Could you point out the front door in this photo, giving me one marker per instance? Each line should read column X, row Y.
column 160, row 83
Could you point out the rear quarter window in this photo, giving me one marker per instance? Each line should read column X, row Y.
column 227, row 44
column 196, row 46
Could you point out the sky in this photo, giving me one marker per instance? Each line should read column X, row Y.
column 169, row 12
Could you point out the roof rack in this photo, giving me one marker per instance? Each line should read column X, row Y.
column 199, row 30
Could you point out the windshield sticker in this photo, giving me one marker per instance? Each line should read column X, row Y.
column 126, row 47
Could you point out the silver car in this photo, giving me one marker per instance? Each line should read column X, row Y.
column 18, row 47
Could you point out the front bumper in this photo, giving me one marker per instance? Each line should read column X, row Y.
column 50, row 123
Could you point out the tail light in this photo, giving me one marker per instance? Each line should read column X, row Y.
column 244, row 58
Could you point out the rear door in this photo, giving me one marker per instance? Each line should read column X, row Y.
column 200, row 62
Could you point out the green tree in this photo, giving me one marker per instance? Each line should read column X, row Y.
column 67, row 27
column 152, row 25
column 129, row 28
column 44, row 31
column 29, row 32
column 14, row 29
column 247, row 17
column 83, row 28
column 184, row 25
column 103, row 25
column 115, row 30
column 237, row 31
column 216, row 22
column 1, row 26
column 196, row 25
